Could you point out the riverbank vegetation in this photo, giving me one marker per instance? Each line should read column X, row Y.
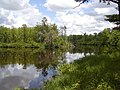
column 44, row 35
column 95, row 72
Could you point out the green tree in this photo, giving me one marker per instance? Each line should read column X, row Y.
column 114, row 37
column 113, row 19
column 24, row 27
column 13, row 31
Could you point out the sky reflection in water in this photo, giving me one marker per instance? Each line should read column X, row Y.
column 14, row 75
column 70, row 57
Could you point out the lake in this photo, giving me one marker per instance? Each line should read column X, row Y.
column 31, row 68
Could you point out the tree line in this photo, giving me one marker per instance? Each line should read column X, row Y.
column 106, row 37
column 41, row 35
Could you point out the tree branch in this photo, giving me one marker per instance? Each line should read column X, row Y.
column 77, row 6
column 82, row 1
column 113, row 1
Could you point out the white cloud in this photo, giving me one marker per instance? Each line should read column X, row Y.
column 28, row 16
column 88, row 18
column 18, row 12
column 14, row 4
column 105, row 11
column 60, row 5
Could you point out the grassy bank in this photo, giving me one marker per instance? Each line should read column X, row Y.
column 100, row 72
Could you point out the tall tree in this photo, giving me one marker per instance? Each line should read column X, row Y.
column 24, row 27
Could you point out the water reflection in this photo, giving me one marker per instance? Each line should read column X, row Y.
column 31, row 77
column 70, row 57
column 31, row 68
column 13, row 76
column 27, row 68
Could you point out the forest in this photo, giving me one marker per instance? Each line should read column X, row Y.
column 44, row 35
column 106, row 37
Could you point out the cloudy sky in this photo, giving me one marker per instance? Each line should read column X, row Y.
column 88, row 18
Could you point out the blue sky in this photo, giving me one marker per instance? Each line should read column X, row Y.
column 88, row 18
column 40, row 6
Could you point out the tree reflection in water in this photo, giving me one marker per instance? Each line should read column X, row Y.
column 32, row 66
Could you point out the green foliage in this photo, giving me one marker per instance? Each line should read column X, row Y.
column 32, row 37
column 113, row 18
column 106, row 37
column 97, row 72
column 104, row 86
column 18, row 88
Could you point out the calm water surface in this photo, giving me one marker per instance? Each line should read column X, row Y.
column 31, row 68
